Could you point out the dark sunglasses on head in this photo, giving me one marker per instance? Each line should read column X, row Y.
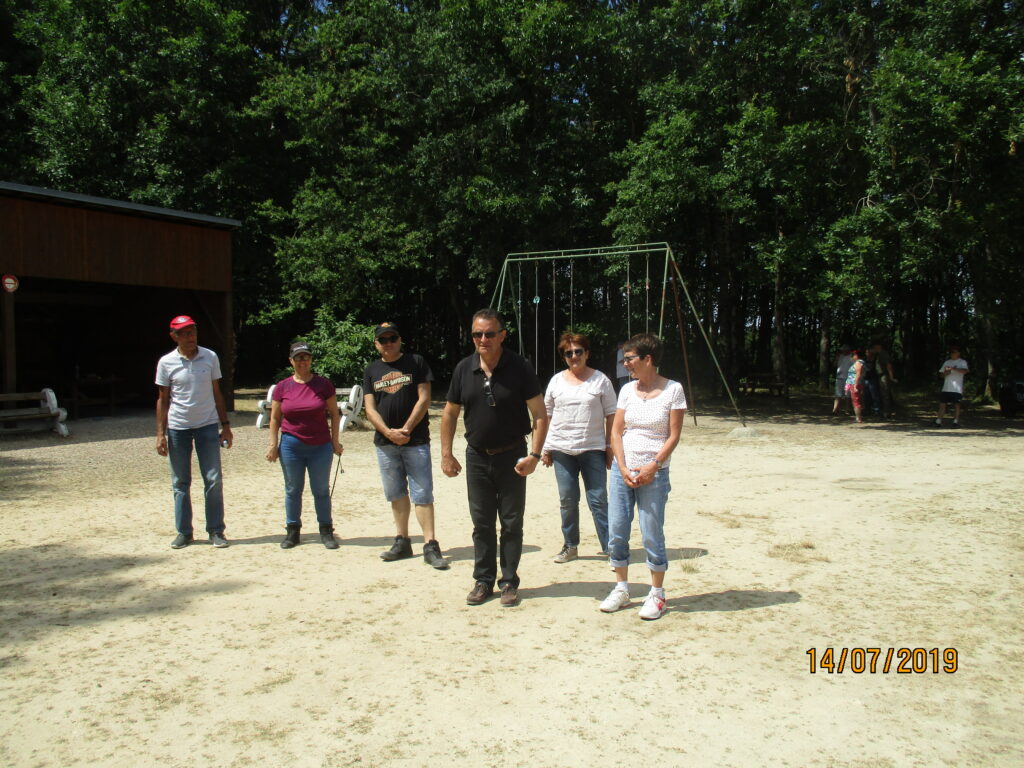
column 484, row 334
column 570, row 353
column 387, row 339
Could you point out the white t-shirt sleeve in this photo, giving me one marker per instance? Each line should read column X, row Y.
column 162, row 379
column 678, row 397
column 549, row 395
column 607, row 396
column 215, row 373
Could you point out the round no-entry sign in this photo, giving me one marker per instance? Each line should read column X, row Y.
column 10, row 283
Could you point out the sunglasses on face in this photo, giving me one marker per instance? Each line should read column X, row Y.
column 484, row 334
column 630, row 358
column 387, row 339
column 571, row 353
column 302, row 358
column 489, row 393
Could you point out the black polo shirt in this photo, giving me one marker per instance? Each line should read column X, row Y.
column 513, row 382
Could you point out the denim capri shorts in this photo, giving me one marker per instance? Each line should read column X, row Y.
column 402, row 463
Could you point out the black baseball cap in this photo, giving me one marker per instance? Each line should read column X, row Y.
column 384, row 328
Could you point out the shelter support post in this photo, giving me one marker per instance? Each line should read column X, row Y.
column 10, row 353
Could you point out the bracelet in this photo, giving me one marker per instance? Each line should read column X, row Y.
column 225, row 423
column 535, row 455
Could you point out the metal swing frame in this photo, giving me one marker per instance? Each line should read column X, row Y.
column 610, row 252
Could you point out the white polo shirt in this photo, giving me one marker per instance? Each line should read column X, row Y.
column 191, row 388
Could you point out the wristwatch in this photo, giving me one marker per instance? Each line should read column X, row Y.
column 535, row 455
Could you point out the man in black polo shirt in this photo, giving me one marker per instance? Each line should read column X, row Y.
column 500, row 392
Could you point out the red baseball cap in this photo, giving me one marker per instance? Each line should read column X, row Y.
column 181, row 321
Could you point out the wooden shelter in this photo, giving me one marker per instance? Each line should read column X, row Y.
column 98, row 282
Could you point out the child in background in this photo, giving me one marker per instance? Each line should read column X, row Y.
column 952, row 372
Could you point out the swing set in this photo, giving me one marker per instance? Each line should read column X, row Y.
column 563, row 263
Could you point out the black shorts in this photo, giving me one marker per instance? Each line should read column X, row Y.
column 950, row 397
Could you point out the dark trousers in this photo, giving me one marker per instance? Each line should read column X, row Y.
column 496, row 493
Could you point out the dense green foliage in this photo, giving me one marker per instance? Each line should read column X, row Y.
column 825, row 172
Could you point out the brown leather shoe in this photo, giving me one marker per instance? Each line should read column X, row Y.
column 509, row 596
column 479, row 594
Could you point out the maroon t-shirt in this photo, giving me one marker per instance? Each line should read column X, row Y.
column 304, row 409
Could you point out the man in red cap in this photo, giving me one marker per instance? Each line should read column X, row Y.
column 190, row 410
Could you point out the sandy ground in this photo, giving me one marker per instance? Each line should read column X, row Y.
column 117, row 651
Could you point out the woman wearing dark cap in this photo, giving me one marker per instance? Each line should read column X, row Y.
column 301, row 437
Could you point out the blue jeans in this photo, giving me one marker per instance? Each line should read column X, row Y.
column 399, row 463
column 296, row 459
column 568, row 468
column 179, row 452
column 650, row 500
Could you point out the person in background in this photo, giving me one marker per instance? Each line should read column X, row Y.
column 580, row 404
column 952, row 372
column 870, row 390
column 843, row 361
column 190, row 411
column 300, row 436
column 886, row 378
column 854, row 384
column 621, row 373
column 646, row 429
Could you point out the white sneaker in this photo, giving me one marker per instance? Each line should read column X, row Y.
column 653, row 607
column 617, row 598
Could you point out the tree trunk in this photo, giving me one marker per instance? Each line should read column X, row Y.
column 824, row 363
column 778, row 337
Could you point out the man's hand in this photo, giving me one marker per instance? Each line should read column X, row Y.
column 225, row 434
column 161, row 444
column 450, row 466
column 526, row 465
column 398, row 436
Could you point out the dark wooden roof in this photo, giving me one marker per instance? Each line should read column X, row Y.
column 103, row 203
column 64, row 236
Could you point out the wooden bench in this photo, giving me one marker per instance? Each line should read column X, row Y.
column 43, row 413
column 766, row 381
column 350, row 403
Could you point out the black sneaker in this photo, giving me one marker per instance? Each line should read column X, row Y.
column 432, row 555
column 181, row 540
column 218, row 540
column 401, row 549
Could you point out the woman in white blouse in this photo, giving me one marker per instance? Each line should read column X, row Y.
column 580, row 403
column 645, row 431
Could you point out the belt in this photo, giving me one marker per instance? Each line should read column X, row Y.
column 502, row 448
